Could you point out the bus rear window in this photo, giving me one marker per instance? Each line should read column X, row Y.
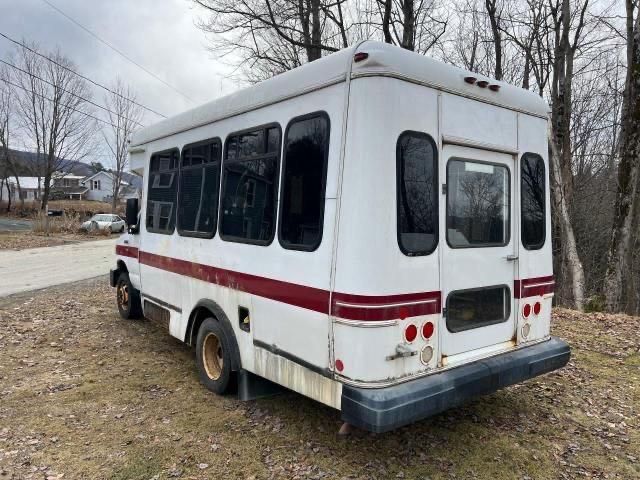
column 478, row 307
column 532, row 207
column 417, row 200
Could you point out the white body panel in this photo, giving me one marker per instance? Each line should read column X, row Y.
column 363, row 282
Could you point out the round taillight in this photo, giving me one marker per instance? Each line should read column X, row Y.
column 427, row 330
column 526, row 310
column 410, row 333
column 426, row 355
column 339, row 365
column 537, row 307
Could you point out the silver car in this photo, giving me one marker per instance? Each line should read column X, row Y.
column 104, row 221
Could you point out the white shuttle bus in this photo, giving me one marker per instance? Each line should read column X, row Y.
column 371, row 230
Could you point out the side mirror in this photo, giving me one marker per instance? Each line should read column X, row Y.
column 131, row 216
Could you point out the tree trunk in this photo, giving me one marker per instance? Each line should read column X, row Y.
column 408, row 25
column 569, row 247
column 618, row 266
column 497, row 37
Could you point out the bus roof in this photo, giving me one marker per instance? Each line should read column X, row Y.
column 383, row 60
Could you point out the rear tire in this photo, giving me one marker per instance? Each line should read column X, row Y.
column 213, row 357
column 128, row 298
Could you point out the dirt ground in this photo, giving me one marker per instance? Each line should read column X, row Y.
column 84, row 394
column 24, row 240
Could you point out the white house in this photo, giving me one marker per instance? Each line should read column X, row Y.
column 28, row 186
column 100, row 187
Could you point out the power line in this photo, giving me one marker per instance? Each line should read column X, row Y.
column 94, row 35
column 80, row 75
column 64, row 105
column 71, row 93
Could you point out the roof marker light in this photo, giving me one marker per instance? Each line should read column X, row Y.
column 360, row 56
column 494, row 88
column 482, row 84
column 470, row 80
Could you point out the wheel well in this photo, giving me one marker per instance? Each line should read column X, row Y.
column 195, row 320
column 122, row 266
column 203, row 310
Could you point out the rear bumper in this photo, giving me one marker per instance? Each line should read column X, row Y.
column 383, row 409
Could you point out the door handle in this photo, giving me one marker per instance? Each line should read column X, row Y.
column 511, row 258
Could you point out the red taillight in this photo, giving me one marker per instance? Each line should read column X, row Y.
column 470, row 80
column 482, row 84
column 410, row 333
column 360, row 56
column 526, row 311
column 427, row 330
column 339, row 365
column 537, row 307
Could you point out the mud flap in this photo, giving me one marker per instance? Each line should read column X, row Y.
column 251, row 386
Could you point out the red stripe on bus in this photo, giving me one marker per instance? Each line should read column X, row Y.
column 294, row 294
column 530, row 287
column 374, row 308
column 127, row 251
column 347, row 306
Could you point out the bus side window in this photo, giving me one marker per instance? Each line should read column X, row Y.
column 417, row 193
column 532, row 200
column 198, row 194
column 306, row 151
column 162, row 192
column 250, row 185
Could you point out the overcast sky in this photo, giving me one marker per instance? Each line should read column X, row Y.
column 158, row 34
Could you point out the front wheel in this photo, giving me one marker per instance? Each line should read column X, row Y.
column 128, row 298
column 213, row 356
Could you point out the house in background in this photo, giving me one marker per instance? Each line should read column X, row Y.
column 68, row 186
column 28, row 186
column 100, row 186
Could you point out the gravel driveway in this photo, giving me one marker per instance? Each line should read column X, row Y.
column 36, row 268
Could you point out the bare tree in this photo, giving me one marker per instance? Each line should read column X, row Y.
column 412, row 25
column 494, row 14
column 628, row 167
column 272, row 36
column 124, row 116
column 6, row 123
column 52, row 105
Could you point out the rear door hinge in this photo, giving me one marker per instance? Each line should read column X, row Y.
column 444, row 188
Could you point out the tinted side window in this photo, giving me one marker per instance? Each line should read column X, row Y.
column 417, row 199
column 249, row 186
column 199, row 181
column 306, row 150
column 162, row 192
column 532, row 199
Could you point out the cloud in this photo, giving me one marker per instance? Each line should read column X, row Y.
column 159, row 34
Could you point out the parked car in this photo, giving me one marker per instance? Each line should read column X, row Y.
column 104, row 221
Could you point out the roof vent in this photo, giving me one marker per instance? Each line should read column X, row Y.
column 494, row 88
column 470, row 80
column 482, row 84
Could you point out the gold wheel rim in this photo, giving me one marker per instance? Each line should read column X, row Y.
column 212, row 356
column 123, row 295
